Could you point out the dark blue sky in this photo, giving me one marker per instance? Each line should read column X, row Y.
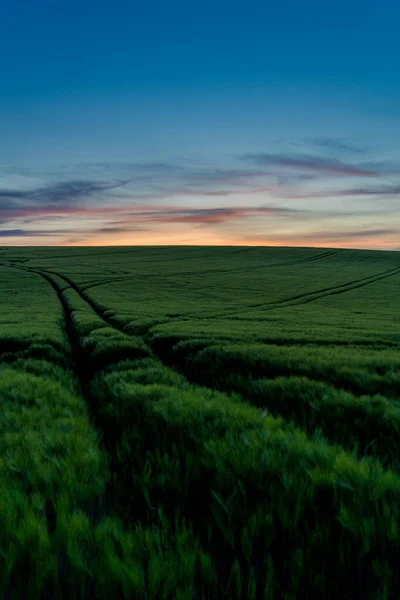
column 284, row 117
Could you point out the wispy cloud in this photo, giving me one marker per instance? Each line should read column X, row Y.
column 143, row 215
column 66, row 192
column 10, row 233
column 378, row 191
column 335, row 145
column 171, row 201
column 123, row 229
column 162, row 173
column 198, row 216
column 355, row 233
column 211, row 216
column 382, row 190
column 292, row 179
column 305, row 162
column 82, row 197
column 162, row 193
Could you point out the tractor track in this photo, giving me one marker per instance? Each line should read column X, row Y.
column 100, row 508
column 168, row 358
column 78, row 362
column 99, row 312
column 128, row 277
column 161, row 355
column 296, row 300
column 341, row 289
column 315, row 295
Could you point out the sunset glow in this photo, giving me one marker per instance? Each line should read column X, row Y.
column 270, row 133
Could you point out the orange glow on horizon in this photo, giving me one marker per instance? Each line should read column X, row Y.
column 208, row 238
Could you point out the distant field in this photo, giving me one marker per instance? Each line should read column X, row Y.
column 199, row 423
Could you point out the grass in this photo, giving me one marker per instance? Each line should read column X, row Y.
column 200, row 423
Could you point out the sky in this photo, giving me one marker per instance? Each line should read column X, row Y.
column 212, row 122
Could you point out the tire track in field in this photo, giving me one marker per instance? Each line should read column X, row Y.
column 81, row 365
column 47, row 275
column 128, row 277
column 78, row 368
column 307, row 260
column 97, row 283
column 334, row 290
column 315, row 295
column 99, row 312
column 164, row 355
column 286, row 303
column 167, row 358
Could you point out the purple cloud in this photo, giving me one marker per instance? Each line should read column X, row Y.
column 316, row 164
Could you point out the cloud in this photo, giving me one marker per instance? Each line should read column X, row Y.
column 11, row 195
column 384, row 190
column 12, row 233
column 71, row 198
column 290, row 179
column 358, row 233
column 121, row 219
column 392, row 190
column 140, row 219
column 113, row 166
column 74, row 190
column 208, row 216
column 168, row 173
column 316, row 164
column 335, row 145
column 6, row 233
column 22, row 233
column 58, row 193
column 197, row 201
column 160, row 193
column 223, row 176
column 142, row 183
column 117, row 229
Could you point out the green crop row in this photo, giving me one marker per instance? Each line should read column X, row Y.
column 99, row 343
column 275, row 328
column 52, row 477
column 370, row 424
column 266, row 503
column 30, row 317
column 359, row 370
column 57, row 538
column 245, row 279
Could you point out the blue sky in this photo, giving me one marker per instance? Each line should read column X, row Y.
column 212, row 122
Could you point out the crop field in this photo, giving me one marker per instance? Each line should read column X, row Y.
column 199, row 423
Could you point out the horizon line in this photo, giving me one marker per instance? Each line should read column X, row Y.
column 219, row 246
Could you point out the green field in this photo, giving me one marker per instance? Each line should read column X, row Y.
column 199, row 423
